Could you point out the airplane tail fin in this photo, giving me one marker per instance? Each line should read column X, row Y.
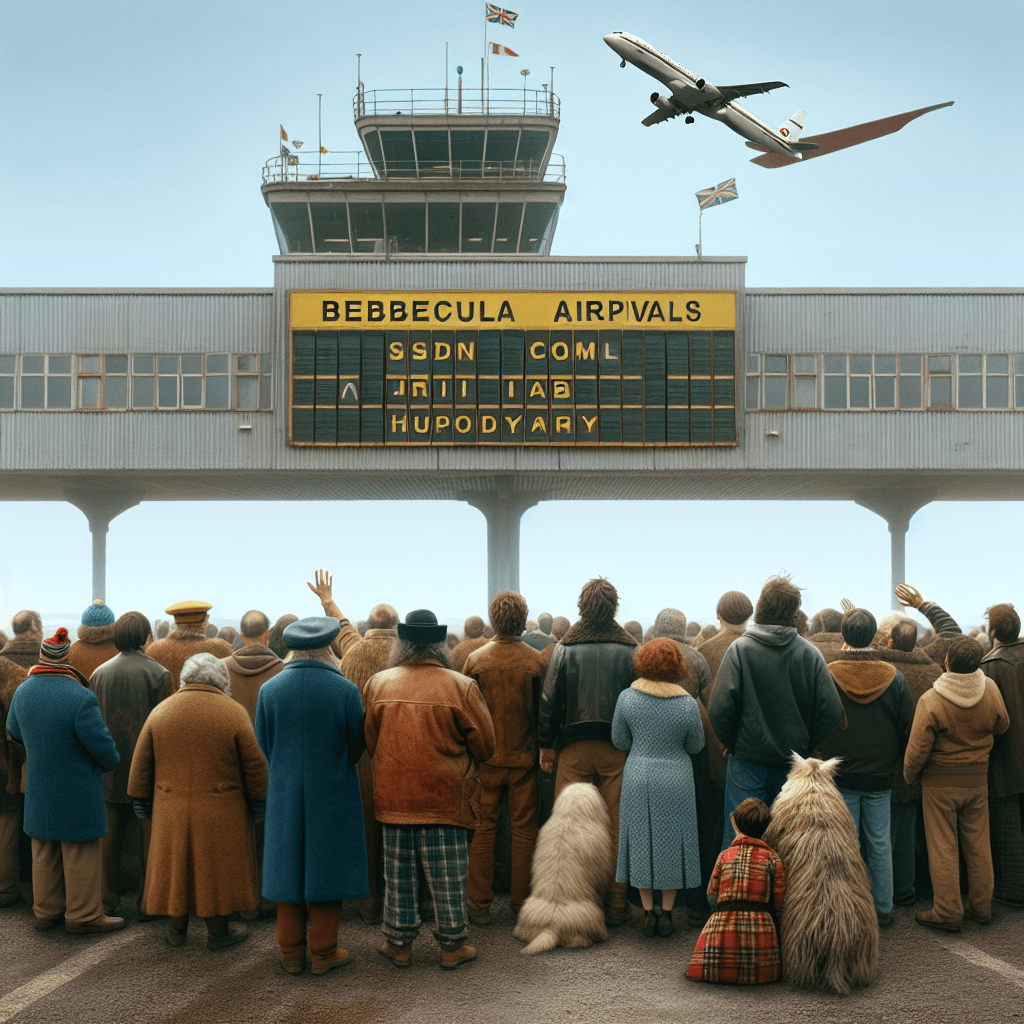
column 790, row 130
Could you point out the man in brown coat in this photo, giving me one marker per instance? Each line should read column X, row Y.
column 427, row 728
column 128, row 687
column 187, row 638
column 23, row 650
column 95, row 643
column 734, row 610
column 362, row 661
column 510, row 674
column 1004, row 665
column 252, row 664
column 954, row 727
column 474, row 638
column 12, row 801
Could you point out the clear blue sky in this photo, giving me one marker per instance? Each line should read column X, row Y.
column 135, row 138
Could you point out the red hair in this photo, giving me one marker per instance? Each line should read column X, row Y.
column 661, row 661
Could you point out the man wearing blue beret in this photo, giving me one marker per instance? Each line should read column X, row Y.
column 309, row 724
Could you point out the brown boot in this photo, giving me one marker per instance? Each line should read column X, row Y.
column 100, row 925
column 452, row 959
column 294, row 966
column 322, row 964
column 400, row 956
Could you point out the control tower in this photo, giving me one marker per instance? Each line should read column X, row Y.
column 442, row 172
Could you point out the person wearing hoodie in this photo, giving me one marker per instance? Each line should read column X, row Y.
column 870, row 743
column 773, row 696
column 954, row 728
column 252, row 664
column 95, row 642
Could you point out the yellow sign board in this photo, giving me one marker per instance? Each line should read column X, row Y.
column 536, row 310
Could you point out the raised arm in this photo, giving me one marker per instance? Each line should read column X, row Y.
column 348, row 634
column 942, row 621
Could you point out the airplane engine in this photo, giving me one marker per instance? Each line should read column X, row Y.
column 662, row 102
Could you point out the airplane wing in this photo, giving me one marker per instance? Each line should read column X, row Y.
column 734, row 92
column 830, row 142
column 658, row 116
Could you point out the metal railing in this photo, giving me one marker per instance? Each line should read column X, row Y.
column 313, row 167
column 455, row 100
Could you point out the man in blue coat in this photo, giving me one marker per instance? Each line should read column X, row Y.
column 309, row 724
column 68, row 748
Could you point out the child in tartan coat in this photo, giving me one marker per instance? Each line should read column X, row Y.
column 740, row 944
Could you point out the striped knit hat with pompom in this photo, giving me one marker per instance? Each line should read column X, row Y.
column 55, row 650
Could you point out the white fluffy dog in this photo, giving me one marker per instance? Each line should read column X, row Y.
column 572, row 867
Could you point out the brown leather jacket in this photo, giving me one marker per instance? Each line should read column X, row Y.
column 510, row 674
column 427, row 728
column 1004, row 665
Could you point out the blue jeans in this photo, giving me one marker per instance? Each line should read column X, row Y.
column 871, row 816
column 743, row 780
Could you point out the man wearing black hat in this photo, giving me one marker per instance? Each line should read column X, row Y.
column 427, row 728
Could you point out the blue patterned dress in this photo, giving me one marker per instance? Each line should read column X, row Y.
column 657, row 810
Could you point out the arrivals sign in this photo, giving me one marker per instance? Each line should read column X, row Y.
column 513, row 368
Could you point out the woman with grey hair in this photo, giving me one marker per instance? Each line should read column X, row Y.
column 200, row 774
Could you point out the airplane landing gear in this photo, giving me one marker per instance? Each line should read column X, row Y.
column 623, row 64
column 689, row 119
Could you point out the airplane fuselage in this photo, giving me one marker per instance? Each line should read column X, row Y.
column 658, row 65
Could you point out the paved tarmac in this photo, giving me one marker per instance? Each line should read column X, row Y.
column 925, row 977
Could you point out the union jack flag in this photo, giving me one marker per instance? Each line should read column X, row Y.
column 500, row 16
column 723, row 192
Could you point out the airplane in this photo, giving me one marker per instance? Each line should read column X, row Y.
column 690, row 94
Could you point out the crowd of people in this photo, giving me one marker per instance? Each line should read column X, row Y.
column 287, row 767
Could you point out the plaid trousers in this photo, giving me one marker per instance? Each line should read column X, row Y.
column 444, row 853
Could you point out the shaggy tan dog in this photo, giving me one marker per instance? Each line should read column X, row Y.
column 572, row 867
column 829, row 929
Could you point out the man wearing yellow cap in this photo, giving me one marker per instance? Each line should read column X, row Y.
column 187, row 638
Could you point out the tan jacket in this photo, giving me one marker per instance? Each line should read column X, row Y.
column 248, row 669
column 714, row 649
column 510, row 674
column 94, row 646
column 427, row 728
column 949, row 745
column 180, row 644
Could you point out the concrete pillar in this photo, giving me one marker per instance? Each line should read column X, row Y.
column 897, row 510
column 100, row 506
column 503, row 510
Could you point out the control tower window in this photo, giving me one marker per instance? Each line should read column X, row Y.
column 291, row 221
column 432, row 152
column 367, row 221
column 8, row 366
column 372, row 143
column 443, row 227
column 532, row 147
column 406, row 226
column 506, row 230
column 399, row 155
column 537, row 224
column 467, row 153
column 330, row 227
column 478, row 226
column 500, row 155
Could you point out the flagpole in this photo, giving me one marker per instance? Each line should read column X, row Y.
column 700, row 235
column 319, row 134
column 446, row 76
column 483, row 67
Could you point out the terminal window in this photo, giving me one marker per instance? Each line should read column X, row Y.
column 568, row 387
column 862, row 382
column 163, row 382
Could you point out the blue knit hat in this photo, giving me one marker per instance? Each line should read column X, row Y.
column 97, row 614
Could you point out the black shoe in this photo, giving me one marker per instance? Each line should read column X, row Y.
column 665, row 925
column 650, row 924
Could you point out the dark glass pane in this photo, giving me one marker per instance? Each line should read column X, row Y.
column 192, row 392
column 835, row 364
column 443, row 227
column 700, row 425
column 725, row 391
column 142, row 364
column 700, row 391
column 678, row 353
column 330, row 226
column 58, row 393
column 168, row 392
column 367, row 227
column 248, row 391
column 532, row 147
column 506, row 229
column 432, row 149
column 885, row 392
column 60, row 364
column 142, row 392
column 835, row 392
column 752, row 392
column 725, row 360
column 632, row 353
column 538, row 224
column 940, row 364
column 501, row 147
column 997, row 392
column 775, row 392
column 191, row 364
column 6, row 392
column 292, row 220
column 33, row 364
column 885, row 364
column 910, row 390
column 303, row 351
column 477, row 226
column 398, row 155
column 942, row 392
column 969, row 391
column 700, row 354
column 860, row 392
column 725, row 425
column 654, row 370
column 407, row 226
column 968, row 364
column 115, row 392
column 467, row 152
column 218, row 393
column 326, row 353
column 302, row 392
column 775, row 364
column 89, row 393
column 371, row 142
column 33, row 392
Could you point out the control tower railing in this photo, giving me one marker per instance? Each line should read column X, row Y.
column 418, row 102
column 356, row 165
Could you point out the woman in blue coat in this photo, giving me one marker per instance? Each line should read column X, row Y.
column 309, row 724
column 659, row 723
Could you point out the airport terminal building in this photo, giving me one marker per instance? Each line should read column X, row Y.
column 421, row 342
